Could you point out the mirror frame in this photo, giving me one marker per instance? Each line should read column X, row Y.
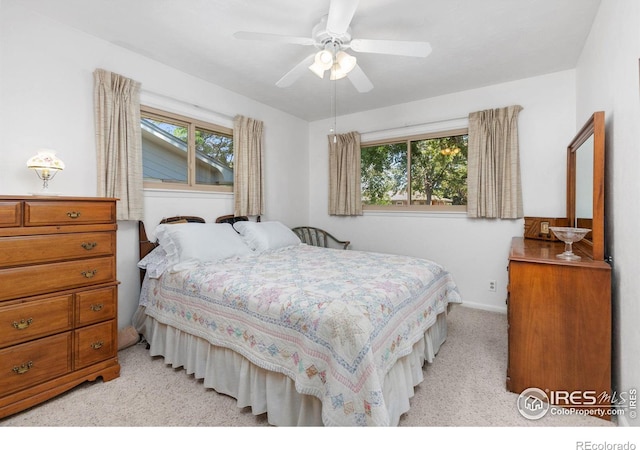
column 595, row 127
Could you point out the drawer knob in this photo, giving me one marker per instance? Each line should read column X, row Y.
column 97, row 307
column 89, row 273
column 89, row 245
column 24, row 368
column 73, row 214
column 23, row 324
column 97, row 345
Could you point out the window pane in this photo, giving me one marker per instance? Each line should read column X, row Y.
column 439, row 171
column 214, row 158
column 384, row 174
column 164, row 151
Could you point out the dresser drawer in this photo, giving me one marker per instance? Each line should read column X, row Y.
column 95, row 343
column 10, row 214
column 39, row 213
column 20, row 282
column 21, row 322
column 17, row 251
column 37, row 361
column 96, row 305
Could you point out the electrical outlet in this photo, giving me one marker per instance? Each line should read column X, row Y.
column 492, row 285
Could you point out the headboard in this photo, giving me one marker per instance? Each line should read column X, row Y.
column 230, row 218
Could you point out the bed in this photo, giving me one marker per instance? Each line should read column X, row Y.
column 308, row 335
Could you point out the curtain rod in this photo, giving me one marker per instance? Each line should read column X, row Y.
column 416, row 125
column 185, row 103
column 416, row 129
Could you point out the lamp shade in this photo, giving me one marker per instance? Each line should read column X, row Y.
column 45, row 159
column 317, row 69
column 324, row 59
column 344, row 64
column 345, row 61
column 322, row 62
column 337, row 73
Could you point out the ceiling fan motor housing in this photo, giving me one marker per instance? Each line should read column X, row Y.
column 324, row 39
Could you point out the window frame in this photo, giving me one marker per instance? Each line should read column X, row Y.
column 191, row 124
column 408, row 140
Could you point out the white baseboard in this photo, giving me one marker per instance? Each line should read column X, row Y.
column 498, row 309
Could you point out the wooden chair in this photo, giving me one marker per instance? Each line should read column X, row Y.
column 317, row 237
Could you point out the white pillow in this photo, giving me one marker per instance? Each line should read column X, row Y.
column 262, row 236
column 154, row 263
column 202, row 242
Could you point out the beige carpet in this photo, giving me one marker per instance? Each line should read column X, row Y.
column 465, row 386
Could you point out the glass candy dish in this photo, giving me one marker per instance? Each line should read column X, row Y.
column 569, row 235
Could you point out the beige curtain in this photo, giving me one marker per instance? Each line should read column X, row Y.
column 247, row 166
column 344, row 175
column 493, row 179
column 118, row 142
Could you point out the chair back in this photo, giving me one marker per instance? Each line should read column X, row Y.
column 318, row 237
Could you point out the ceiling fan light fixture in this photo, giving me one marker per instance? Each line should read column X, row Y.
column 345, row 61
column 337, row 73
column 322, row 61
column 324, row 58
column 317, row 69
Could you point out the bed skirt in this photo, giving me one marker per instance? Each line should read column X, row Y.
column 227, row 372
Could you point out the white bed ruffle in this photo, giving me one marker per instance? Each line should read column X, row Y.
column 229, row 373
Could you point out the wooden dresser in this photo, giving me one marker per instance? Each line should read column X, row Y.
column 58, row 297
column 559, row 315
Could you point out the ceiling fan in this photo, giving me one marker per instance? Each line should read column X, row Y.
column 332, row 36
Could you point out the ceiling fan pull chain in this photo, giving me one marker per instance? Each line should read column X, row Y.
column 334, row 111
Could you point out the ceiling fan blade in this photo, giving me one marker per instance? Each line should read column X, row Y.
column 359, row 80
column 402, row 48
column 273, row 38
column 340, row 14
column 290, row 77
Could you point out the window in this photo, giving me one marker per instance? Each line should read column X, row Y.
column 184, row 153
column 423, row 172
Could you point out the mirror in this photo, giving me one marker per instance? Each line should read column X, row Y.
column 585, row 185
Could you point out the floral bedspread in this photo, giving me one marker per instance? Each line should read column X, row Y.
column 335, row 321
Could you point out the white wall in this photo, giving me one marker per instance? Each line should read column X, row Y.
column 474, row 250
column 607, row 80
column 46, row 97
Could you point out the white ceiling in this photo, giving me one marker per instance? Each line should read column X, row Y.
column 475, row 43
